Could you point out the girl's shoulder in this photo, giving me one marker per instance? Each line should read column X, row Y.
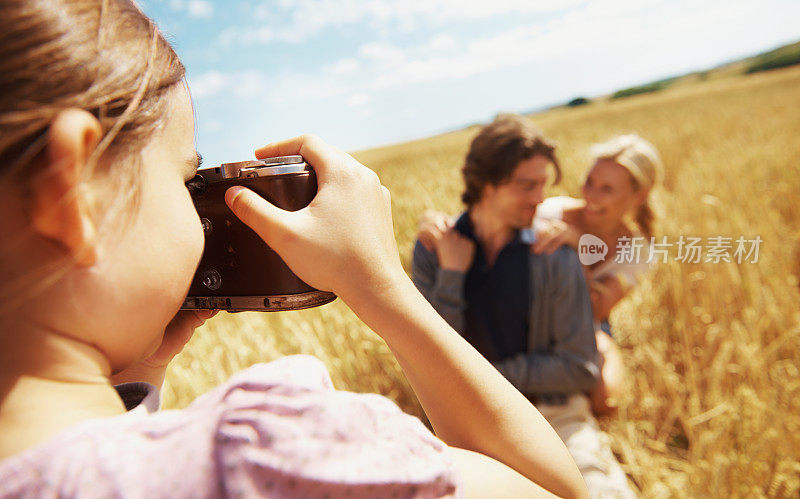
column 277, row 429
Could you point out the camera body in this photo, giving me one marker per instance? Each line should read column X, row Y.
column 238, row 271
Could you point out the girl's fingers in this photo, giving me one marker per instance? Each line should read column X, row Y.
column 271, row 223
column 285, row 147
column 189, row 319
column 204, row 315
column 315, row 151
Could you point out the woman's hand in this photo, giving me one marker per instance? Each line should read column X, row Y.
column 552, row 234
column 438, row 234
column 605, row 294
column 455, row 252
column 343, row 240
column 177, row 333
column 432, row 227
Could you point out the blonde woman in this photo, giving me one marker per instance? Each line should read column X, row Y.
column 615, row 207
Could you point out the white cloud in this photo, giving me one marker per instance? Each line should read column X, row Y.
column 381, row 53
column 212, row 125
column 272, row 88
column 357, row 100
column 602, row 28
column 294, row 21
column 208, row 84
column 344, row 66
column 241, row 84
column 618, row 32
column 442, row 42
column 200, row 8
column 381, row 65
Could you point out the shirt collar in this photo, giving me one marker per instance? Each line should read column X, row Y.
column 465, row 226
column 139, row 396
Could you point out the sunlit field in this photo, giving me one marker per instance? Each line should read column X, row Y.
column 713, row 349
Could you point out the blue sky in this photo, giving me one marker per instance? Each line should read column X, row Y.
column 371, row 72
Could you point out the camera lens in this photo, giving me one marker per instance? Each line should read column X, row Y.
column 206, row 223
column 211, row 279
column 197, row 186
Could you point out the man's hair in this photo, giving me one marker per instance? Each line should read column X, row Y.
column 498, row 149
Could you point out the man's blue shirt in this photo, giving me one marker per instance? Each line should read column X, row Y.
column 498, row 297
column 549, row 353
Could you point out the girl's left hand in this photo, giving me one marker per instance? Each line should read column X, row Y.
column 177, row 333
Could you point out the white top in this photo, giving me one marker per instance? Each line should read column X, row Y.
column 628, row 267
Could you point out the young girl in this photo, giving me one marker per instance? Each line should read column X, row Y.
column 98, row 243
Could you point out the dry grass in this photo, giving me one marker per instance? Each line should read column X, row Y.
column 713, row 407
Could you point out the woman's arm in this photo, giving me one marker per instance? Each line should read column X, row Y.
column 551, row 234
column 605, row 293
column 344, row 242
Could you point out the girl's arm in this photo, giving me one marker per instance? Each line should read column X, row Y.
column 344, row 242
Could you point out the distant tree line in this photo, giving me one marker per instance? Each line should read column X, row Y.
column 578, row 101
column 788, row 55
column 774, row 59
column 643, row 89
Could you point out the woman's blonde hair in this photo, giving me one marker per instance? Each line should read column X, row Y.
column 642, row 161
column 102, row 56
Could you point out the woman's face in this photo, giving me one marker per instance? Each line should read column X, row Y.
column 609, row 193
column 145, row 268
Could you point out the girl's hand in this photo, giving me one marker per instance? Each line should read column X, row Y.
column 343, row 240
column 552, row 234
column 177, row 333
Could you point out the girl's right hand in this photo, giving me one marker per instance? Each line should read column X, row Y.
column 343, row 241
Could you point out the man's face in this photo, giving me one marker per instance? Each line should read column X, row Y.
column 514, row 201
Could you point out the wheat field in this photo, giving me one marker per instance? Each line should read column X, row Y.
column 713, row 349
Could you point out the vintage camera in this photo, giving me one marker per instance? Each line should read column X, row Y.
column 238, row 271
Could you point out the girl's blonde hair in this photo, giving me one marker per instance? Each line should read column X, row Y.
column 102, row 56
column 642, row 161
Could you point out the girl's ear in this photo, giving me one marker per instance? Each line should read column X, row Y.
column 61, row 200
